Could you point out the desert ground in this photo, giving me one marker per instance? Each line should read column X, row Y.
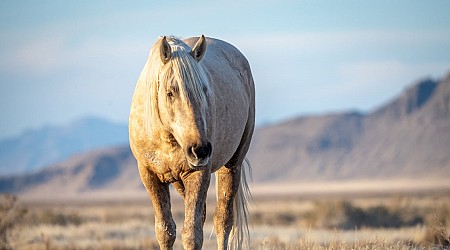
column 358, row 215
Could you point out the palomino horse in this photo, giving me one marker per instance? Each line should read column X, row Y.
column 192, row 114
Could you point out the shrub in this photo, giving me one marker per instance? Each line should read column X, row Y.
column 333, row 214
column 344, row 215
column 436, row 232
column 61, row 219
column 10, row 214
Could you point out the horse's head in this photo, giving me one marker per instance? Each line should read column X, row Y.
column 182, row 98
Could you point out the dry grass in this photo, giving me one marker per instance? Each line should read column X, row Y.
column 10, row 215
column 287, row 223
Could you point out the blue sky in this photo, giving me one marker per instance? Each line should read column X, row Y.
column 63, row 60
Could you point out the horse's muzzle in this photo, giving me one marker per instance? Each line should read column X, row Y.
column 198, row 155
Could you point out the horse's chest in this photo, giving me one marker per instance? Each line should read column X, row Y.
column 168, row 164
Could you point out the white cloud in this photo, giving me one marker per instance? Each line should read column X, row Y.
column 58, row 53
column 325, row 42
column 341, row 70
column 373, row 74
column 368, row 84
column 33, row 57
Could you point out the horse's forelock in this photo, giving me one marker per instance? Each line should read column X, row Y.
column 182, row 69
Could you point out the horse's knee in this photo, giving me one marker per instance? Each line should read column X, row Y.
column 165, row 233
column 192, row 238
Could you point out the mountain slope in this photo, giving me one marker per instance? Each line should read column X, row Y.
column 408, row 137
column 38, row 148
column 113, row 169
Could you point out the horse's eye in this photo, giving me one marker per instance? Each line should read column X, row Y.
column 172, row 91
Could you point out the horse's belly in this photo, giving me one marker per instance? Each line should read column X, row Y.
column 230, row 126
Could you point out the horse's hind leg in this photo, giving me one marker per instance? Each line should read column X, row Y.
column 165, row 227
column 227, row 186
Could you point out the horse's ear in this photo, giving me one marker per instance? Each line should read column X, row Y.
column 199, row 49
column 164, row 50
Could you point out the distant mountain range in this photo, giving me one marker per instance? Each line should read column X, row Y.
column 406, row 138
column 39, row 148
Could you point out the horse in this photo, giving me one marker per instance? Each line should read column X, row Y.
column 193, row 114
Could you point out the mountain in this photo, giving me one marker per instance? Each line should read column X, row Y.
column 406, row 138
column 111, row 169
column 35, row 149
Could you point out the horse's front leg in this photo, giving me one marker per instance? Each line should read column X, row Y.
column 196, row 188
column 228, row 180
column 165, row 227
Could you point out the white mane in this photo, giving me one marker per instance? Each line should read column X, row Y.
column 183, row 70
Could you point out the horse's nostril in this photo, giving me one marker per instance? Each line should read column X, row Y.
column 201, row 151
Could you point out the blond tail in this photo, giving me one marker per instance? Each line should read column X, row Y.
column 240, row 233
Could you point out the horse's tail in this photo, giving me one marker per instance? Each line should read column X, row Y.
column 240, row 232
